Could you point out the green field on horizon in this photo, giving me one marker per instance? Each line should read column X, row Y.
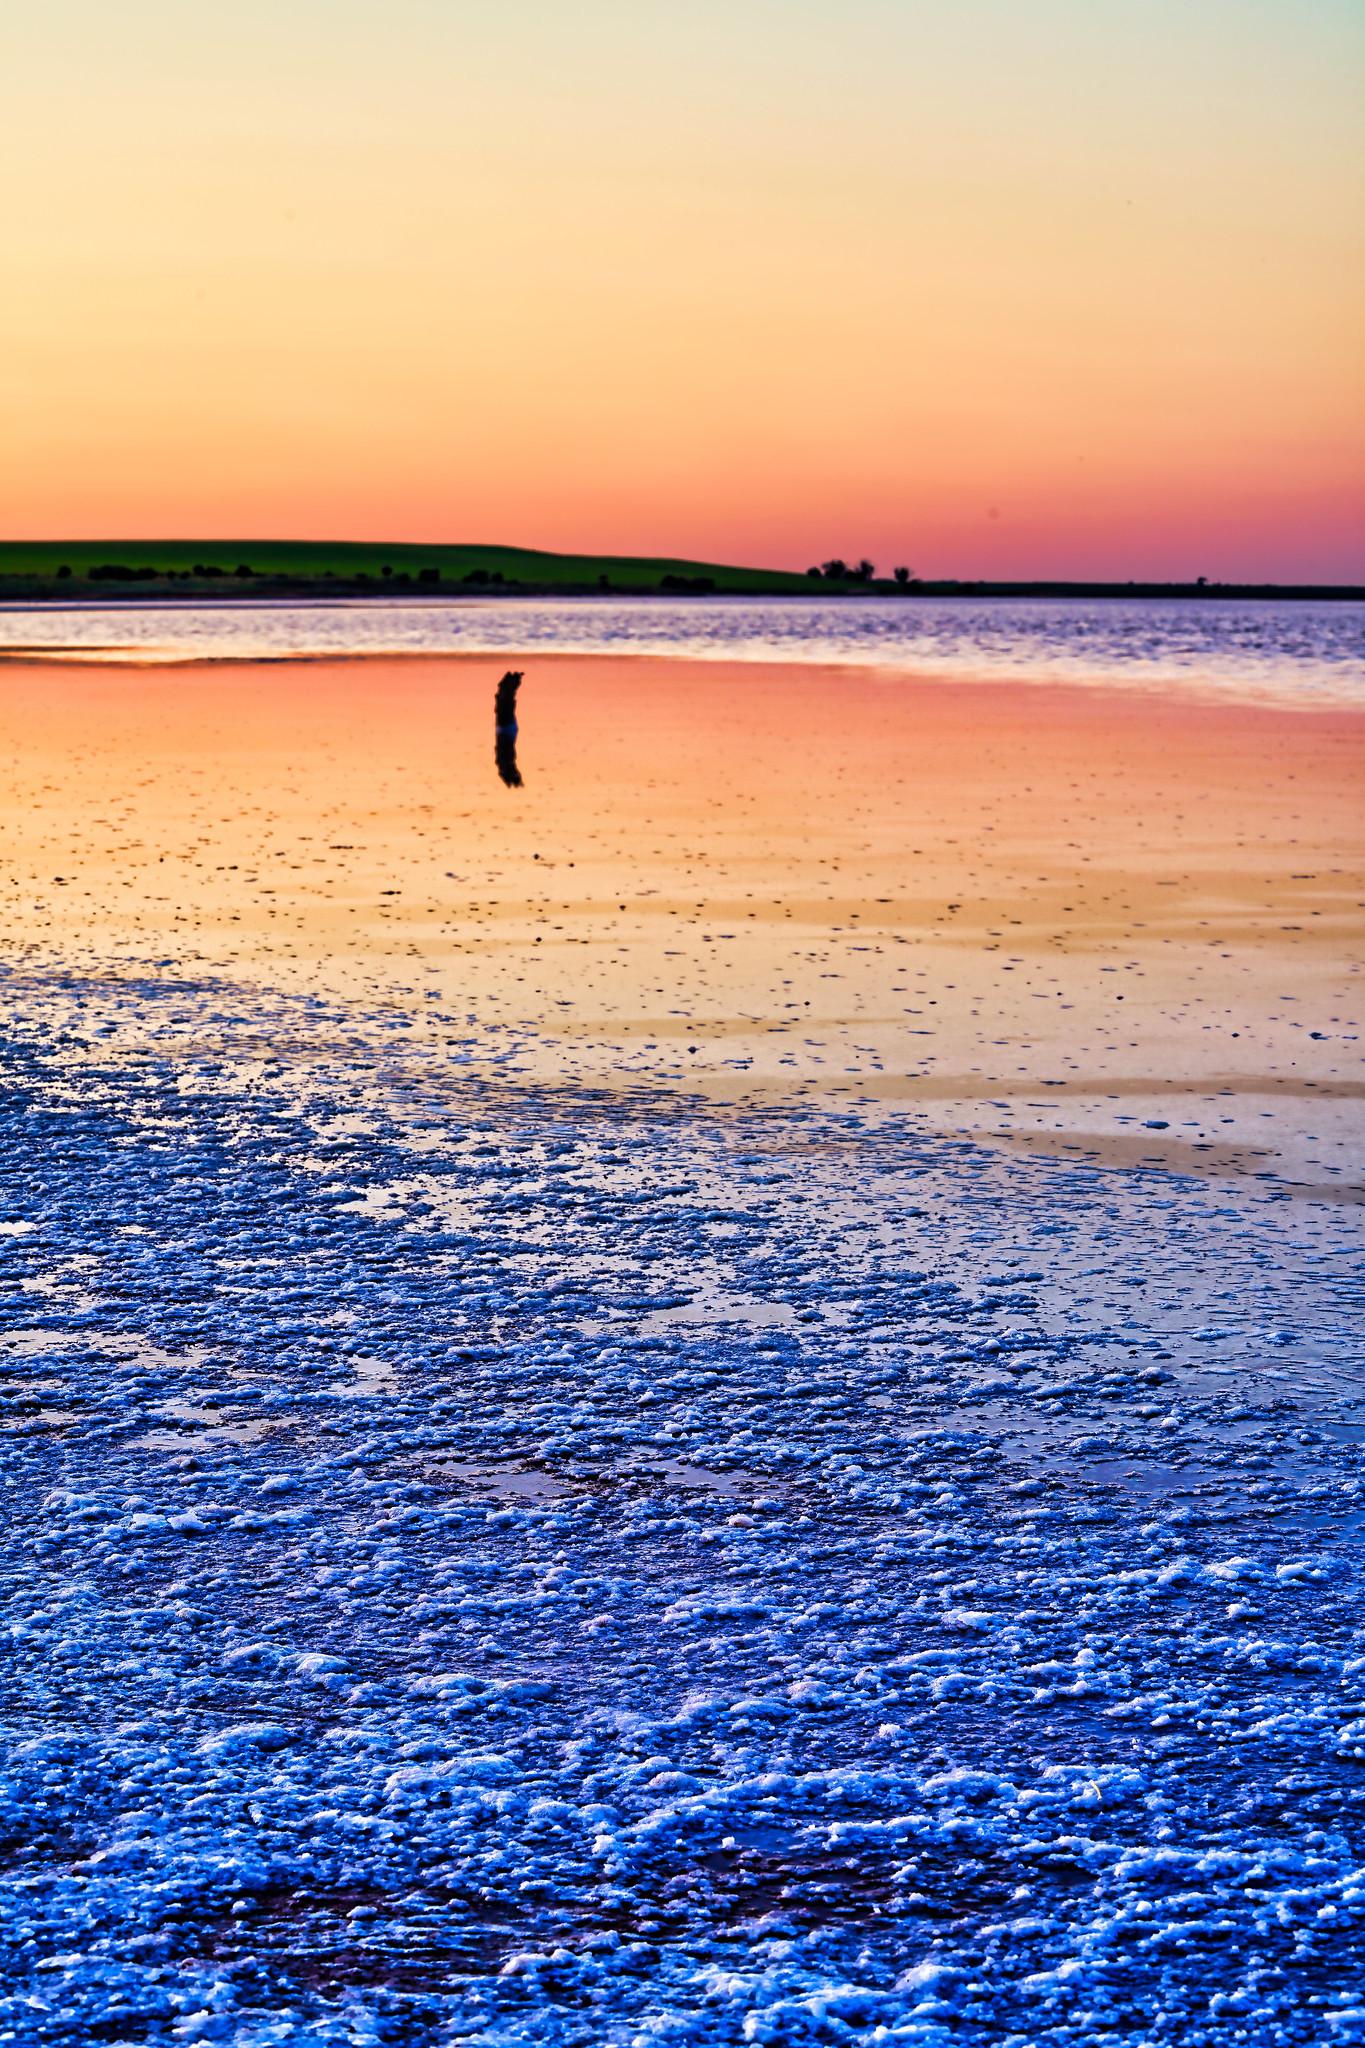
column 43, row 570
column 346, row 561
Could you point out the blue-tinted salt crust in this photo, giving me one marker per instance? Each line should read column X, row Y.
column 498, row 1564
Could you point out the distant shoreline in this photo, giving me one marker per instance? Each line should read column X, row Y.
column 232, row 571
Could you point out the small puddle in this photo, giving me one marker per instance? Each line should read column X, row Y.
column 1141, row 1478
column 509, row 1482
column 192, row 1423
column 691, row 1478
column 529, row 1482
column 370, row 1376
column 702, row 1312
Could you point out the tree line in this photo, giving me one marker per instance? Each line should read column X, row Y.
column 836, row 570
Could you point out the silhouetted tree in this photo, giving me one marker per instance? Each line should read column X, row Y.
column 834, row 570
column 901, row 574
column 813, row 572
column 245, row 569
column 865, row 571
column 64, row 571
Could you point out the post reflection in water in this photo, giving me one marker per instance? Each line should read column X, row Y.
column 505, row 728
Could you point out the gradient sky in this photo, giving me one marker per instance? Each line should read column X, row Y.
column 984, row 286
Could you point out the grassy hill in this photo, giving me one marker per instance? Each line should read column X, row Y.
column 56, row 569
column 233, row 567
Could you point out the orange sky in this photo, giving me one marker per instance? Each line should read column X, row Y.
column 1066, row 288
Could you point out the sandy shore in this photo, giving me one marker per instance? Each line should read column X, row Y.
column 1123, row 924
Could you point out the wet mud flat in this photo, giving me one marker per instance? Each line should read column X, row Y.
column 499, row 1561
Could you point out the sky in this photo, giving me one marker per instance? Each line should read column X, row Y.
column 986, row 287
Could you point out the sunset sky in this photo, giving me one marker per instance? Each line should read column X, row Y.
column 985, row 286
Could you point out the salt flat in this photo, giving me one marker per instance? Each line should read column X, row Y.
column 715, row 1399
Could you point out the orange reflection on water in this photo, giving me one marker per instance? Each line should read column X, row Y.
column 725, row 875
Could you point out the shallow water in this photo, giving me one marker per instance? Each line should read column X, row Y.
column 1306, row 653
column 551, row 1501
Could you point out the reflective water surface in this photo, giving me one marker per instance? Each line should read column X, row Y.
column 1294, row 653
column 693, row 1381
